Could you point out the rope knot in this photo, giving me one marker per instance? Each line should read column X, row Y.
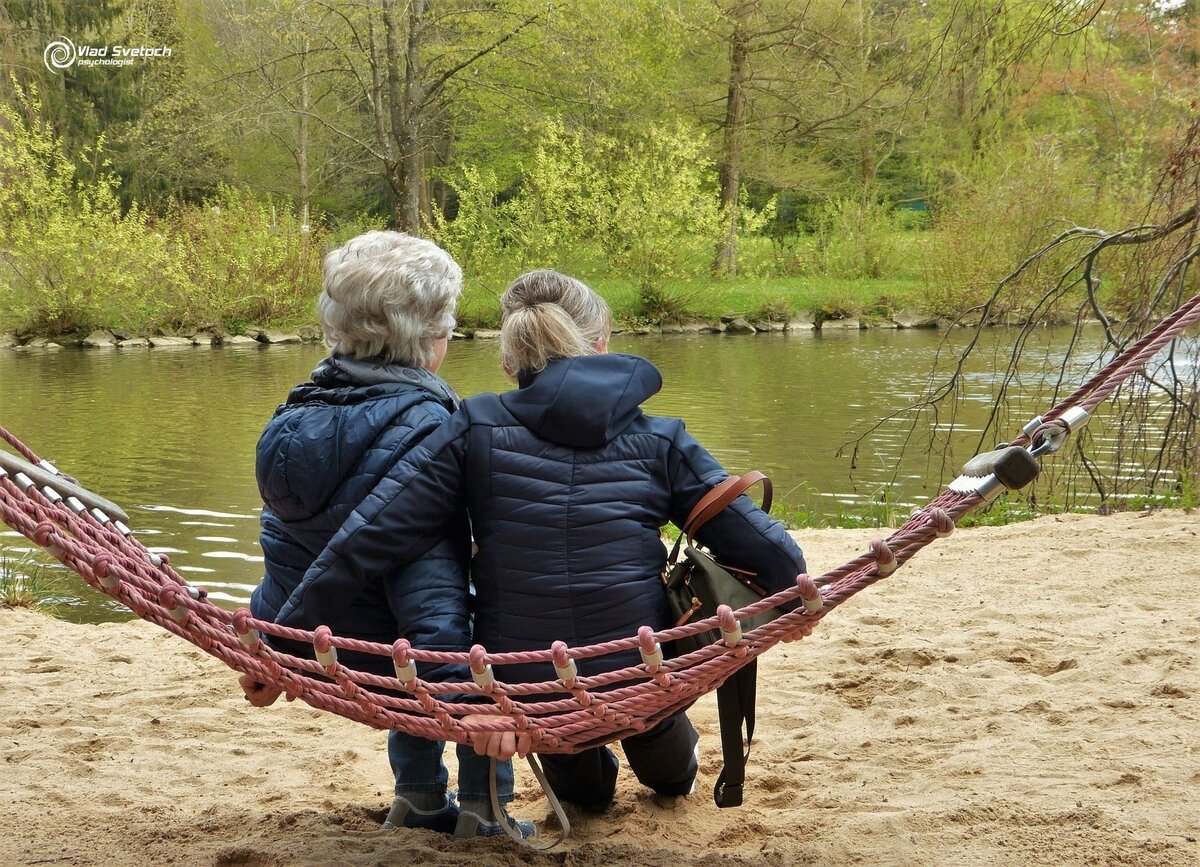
column 170, row 598
column 479, row 661
column 731, row 630
column 400, row 650
column 241, row 625
column 102, row 569
column 943, row 524
column 481, row 670
column 406, row 669
column 650, row 649
column 564, row 665
column 326, row 652
column 885, row 560
column 809, row 593
column 43, row 534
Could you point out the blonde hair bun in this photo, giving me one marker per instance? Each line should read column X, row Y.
column 547, row 315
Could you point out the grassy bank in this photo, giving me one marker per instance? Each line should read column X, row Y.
column 708, row 299
column 775, row 299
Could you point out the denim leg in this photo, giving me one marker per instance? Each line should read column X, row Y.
column 416, row 763
column 473, row 774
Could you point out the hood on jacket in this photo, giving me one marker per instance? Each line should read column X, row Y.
column 320, row 436
column 584, row 402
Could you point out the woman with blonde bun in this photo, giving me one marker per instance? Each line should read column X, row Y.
column 567, row 483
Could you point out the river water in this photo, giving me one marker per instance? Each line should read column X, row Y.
column 170, row 433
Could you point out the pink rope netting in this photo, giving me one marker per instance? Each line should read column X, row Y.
column 564, row 713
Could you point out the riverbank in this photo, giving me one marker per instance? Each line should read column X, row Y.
column 731, row 323
column 733, row 305
column 1025, row 694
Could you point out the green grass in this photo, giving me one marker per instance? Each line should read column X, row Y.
column 707, row 298
column 882, row 514
column 24, row 582
column 775, row 281
column 1004, row 512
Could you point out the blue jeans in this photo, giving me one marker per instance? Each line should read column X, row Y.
column 417, row 766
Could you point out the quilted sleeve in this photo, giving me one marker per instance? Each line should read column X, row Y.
column 408, row 511
column 743, row 535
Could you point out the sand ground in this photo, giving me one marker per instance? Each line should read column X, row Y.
column 1019, row 695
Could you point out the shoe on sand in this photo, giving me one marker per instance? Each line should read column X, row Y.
column 471, row 824
column 404, row 815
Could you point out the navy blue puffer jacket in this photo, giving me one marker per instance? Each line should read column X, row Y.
column 320, row 455
column 568, row 484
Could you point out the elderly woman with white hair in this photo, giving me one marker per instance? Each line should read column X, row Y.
column 387, row 310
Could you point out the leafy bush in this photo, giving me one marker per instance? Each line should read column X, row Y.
column 72, row 260
column 665, row 215
column 249, row 260
column 1008, row 203
column 478, row 236
column 857, row 238
column 645, row 206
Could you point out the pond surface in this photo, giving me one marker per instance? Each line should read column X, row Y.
column 170, row 433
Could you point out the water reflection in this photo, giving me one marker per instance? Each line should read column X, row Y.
column 171, row 435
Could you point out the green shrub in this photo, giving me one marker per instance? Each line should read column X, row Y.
column 645, row 208
column 70, row 260
column 857, row 239
column 249, row 261
column 1007, row 204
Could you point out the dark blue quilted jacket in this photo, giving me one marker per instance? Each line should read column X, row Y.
column 568, row 484
column 321, row 454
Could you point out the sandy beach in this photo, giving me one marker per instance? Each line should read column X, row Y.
column 1027, row 694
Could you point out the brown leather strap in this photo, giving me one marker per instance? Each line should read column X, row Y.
column 718, row 500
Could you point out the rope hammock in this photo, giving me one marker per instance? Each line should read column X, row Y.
column 566, row 712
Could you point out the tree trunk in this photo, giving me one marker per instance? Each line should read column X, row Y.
column 382, row 77
column 302, row 135
column 411, row 147
column 400, row 129
column 735, row 127
column 868, row 158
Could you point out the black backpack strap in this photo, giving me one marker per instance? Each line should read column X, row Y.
column 735, row 706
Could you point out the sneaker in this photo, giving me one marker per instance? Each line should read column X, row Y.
column 471, row 824
column 404, row 815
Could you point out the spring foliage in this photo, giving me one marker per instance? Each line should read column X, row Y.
column 72, row 258
column 643, row 206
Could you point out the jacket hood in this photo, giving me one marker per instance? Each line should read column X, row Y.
column 342, row 380
column 323, row 433
column 584, row 402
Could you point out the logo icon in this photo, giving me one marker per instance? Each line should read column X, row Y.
column 59, row 55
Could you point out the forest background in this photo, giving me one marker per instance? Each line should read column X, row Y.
column 689, row 159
